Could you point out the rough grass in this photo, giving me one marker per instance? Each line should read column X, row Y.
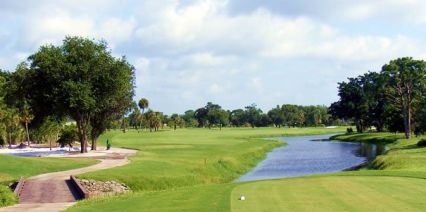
column 7, row 197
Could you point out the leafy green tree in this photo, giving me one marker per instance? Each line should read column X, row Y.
column 11, row 122
column 135, row 118
column 49, row 131
column 353, row 103
column 154, row 120
column 68, row 135
column 80, row 79
column 252, row 114
column 113, row 81
column 277, row 116
column 238, row 117
column 405, row 78
column 188, row 117
column 217, row 116
column 264, row 120
column 176, row 120
column 194, row 123
column 293, row 115
column 201, row 116
column 26, row 117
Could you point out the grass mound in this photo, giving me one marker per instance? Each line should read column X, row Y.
column 369, row 137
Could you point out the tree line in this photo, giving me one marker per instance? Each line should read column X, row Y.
column 393, row 99
column 213, row 115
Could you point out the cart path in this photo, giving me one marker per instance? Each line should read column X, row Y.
column 52, row 191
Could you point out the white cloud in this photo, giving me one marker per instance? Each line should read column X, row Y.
column 54, row 27
column 189, row 52
column 215, row 88
column 206, row 26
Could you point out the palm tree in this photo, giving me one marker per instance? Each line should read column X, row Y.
column 11, row 122
column 143, row 104
column 26, row 117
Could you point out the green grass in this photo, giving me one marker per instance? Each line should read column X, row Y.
column 13, row 167
column 369, row 137
column 187, row 157
column 195, row 198
column 6, row 196
column 403, row 154
column 332, row 193
column 395, row 181
column 398, row 184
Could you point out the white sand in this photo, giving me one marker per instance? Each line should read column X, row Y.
column 66, row 153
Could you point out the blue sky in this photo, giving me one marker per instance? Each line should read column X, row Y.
column 231, row 52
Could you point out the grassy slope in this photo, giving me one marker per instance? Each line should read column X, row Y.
column 187, row 157
column 352, row 191
column 172, row 159
column 403, row 155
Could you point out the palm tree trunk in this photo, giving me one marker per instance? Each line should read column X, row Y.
column 28, row 134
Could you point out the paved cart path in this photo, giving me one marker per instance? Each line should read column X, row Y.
column 53, row 192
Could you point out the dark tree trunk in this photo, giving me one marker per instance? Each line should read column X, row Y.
column 82, row 136
column 94, row 144
column 359, row 127
column 407, row 122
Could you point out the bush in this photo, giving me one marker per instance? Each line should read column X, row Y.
column 349, row 130
column 7, row 197
column 68, row 136
column 422, row 143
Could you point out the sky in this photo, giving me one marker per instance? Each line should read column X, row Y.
column 229, row 52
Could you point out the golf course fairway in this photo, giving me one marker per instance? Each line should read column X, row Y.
column 195, row 169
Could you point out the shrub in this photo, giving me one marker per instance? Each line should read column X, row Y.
column 7, row 197
column 349, row 130
column 68, row 136
column 422, row 143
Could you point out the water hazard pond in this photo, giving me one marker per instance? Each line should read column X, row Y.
column 306, row 155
